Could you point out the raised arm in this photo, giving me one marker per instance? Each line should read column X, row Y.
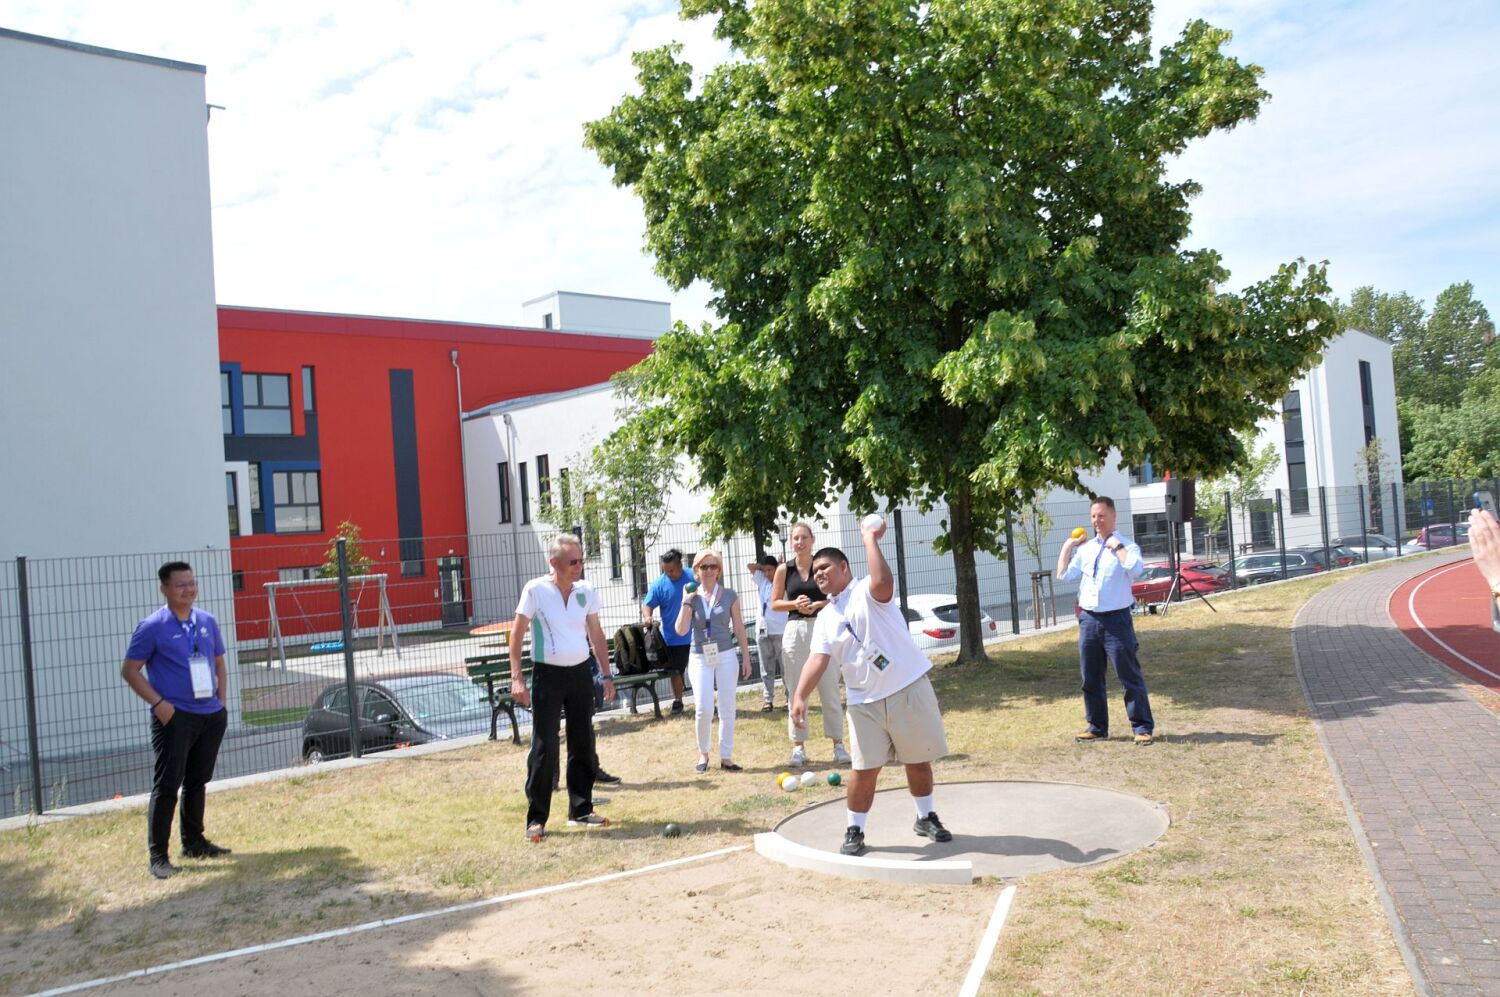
column 882, row 583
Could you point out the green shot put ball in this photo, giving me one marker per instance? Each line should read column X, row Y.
column 834, row 779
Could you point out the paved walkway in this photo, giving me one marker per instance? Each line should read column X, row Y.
column 1419, row 760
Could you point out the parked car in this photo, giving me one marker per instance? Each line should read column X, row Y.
column 1440, row 535
column 1380, row 545
column 412, row 709
column 1254, row 569
column 1343, row 556
column 1154, row 584
column 933, row 621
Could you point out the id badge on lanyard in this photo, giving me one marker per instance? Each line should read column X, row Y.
column 711, row 655
column 710, row 649
column 199, row 668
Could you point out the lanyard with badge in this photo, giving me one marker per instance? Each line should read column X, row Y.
column 870, row 656
column 198, row 666
column 1103, row 546
column 710, row 648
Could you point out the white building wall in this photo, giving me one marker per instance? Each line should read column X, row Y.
column 568, row 423
column 598, row 314
column 108, row 388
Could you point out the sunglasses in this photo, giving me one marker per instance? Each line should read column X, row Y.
column 572, row 562
column 707, row 565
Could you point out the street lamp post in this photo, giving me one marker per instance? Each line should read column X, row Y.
column 782, row 530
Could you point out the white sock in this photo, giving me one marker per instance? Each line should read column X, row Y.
column 857, row 820
column 924, row 806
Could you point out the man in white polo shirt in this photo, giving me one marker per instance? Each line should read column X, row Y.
column 562, row 612
column 893, row 712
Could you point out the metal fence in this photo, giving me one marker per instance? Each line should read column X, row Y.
column 71, row 732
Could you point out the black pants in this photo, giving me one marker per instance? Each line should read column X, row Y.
column 186, row 750
column 559, row 692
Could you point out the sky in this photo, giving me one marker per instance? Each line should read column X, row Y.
column 425, row 160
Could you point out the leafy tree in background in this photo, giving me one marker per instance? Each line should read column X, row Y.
column 354, row 552
column 947, row 258
column 1392, row 317
column 1461, row 442
column 1242, row 481
column 1435, row 361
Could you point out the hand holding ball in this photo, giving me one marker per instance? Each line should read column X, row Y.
column 1079, row 533
column 873, row 524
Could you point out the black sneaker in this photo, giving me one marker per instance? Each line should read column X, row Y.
column 676, row 706
column 162, row 869
column 605, row 777
column 854, row 842
column 204, row 849
column 931, row 827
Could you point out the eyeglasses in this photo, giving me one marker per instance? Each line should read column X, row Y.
column 707, row 565
column 571, row 562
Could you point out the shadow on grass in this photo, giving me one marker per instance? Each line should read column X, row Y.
column 181, row 922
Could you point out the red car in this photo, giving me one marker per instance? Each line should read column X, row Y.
column 1206, row 577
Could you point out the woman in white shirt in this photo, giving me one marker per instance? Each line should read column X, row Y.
column 711, row 613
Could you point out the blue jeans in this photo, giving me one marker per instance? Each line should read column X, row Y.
column 1110, row 637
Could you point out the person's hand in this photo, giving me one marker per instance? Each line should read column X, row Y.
column 609, row 687
column 1484, row 543
column 799, row 711
column 804, row 604
column 519, row 693
column 164, row 712
column 745, row 665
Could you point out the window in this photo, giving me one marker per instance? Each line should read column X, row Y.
column 231, row 486
column 1296, row 456
column 237, row 580
column 299, row 574
column 226, row 403
column 1143, row 475
column 299, row 508
column 337, row 700
column 308, row 404
column 503, row 469
column 268, row 404
column 525, row 493
column 374, row 705
column 547, row 320
column 1367, row 397
column 255, row 488
column 544, row 485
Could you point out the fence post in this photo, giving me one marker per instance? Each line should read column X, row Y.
column 347, row 622
column 900, row 558
column 1422, row 507
column 1281, row 534
column 1396, row 510
column 1323, row 517
column 1452, row 513
column 1229, row 536
column 1010, row 564
column 1364, row 529
column 28, row 670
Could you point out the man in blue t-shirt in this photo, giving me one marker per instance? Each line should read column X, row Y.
column 665, row 594
column 182, row 653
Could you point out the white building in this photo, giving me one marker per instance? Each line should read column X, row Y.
column 110, row 345
column 598, row 314
column 1319, row 429
column 510, row 446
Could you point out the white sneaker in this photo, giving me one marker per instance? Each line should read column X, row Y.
column 840, row 756
column 799, row 757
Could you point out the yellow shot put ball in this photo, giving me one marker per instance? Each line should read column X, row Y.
column 1079, row 533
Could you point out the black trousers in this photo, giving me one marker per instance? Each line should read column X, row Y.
column 186, row 750
column 559, row 692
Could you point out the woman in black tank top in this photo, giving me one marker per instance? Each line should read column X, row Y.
column 794, row 592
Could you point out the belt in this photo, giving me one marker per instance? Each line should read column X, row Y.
column 1106, row 612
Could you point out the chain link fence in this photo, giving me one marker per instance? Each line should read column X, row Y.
column 71, row 732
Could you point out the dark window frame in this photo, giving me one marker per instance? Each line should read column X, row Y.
column 1298, row 500
column 252, row 386
column 309, row 391
column 231, row 481
column 525, row 493
column 503, row 471
column 317, row 504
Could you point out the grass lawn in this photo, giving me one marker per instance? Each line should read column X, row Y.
column 1257, row 887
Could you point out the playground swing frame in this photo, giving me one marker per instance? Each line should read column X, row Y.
column 384, row 620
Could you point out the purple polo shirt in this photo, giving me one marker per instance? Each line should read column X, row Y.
column 165, row 643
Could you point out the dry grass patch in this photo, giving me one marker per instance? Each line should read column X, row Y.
column 1257, row 887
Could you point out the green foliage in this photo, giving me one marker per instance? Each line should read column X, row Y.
column 1448, row 443
column 947, row 256
column 1032, row 524
column 354, row 552
column 1392, row 317
column 1436, row 360
column 1244, row 480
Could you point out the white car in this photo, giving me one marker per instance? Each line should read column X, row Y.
column 933, row 621
column 1381, row 546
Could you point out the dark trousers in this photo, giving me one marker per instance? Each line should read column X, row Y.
column 1110, row 637
column 186, row 750
column 559, row 692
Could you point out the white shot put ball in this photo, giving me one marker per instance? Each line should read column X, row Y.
column 808, row 778
column 790, row 784
column 873, row 521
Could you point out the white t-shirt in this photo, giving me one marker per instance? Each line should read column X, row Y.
column 871, row 644
column 768, row 620
column 559, row 633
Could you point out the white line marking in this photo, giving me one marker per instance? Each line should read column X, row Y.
column 987, row 944
column 1411, row 607
column 384, row 923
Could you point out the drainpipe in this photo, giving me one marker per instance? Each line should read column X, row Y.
column 515, row 540
column 463, row 465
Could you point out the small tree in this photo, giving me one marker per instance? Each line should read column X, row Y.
column 1033, row 524
column 1245, row 480
column 359, row 561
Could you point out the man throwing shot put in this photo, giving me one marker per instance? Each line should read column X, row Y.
column 893, row 712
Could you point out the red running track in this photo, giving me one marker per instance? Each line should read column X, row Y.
column 1446, row 613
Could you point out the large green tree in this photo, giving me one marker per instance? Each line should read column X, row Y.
column 1435, row 360
column 1392, row 317
column 947, row 257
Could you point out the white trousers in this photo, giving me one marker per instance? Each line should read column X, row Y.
column 709, row 683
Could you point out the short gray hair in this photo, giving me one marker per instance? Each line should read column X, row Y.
column 559, row 542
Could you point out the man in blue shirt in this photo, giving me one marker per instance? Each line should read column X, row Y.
column 182, row 652
column 1104, row 567
column 665, row 594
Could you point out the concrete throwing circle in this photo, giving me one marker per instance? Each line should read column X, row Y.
column 1005, row 829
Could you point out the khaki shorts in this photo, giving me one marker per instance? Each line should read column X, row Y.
column 905, row 727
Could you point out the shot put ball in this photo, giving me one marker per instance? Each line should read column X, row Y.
column 834, row 778
column 671, row 831
column 1079, row 533
column 808, row 778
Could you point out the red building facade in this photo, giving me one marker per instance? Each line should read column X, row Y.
column 333, row 418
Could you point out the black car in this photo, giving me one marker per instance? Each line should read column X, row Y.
column 412, row 709
column 1253, row 569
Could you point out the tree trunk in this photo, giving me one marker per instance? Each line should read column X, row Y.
column 965, row 577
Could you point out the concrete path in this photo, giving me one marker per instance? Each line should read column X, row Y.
column 1419, row 760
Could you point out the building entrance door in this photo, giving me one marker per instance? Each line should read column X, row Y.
column 451, row 584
